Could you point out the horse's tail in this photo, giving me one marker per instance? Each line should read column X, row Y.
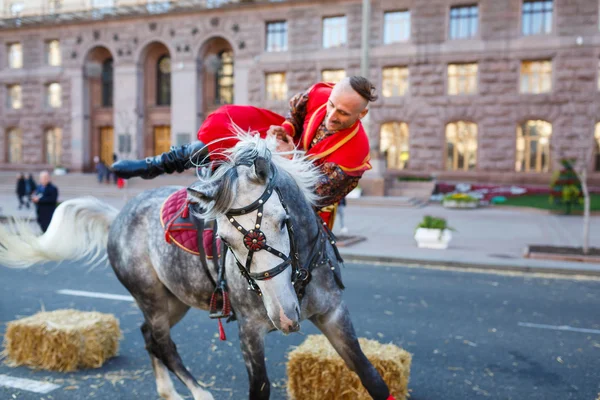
column 79, row 229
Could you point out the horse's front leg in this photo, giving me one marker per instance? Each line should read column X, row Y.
column 252, row 342
column 338, row 328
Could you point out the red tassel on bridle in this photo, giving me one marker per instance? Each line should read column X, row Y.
column 391, row 397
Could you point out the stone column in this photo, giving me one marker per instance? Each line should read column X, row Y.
column 128, row 110
column 241, row 74
column 184, row 98
column 80, row 135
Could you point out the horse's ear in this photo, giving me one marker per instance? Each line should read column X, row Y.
column 201, row 193
column 262, row 168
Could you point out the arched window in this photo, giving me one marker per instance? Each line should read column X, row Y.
column 461, row 146
column 107, row 83
column 224, row 77
column 533, row 146
column 394, row 144
column 15, row 146
column 163, row 81
column 53, row 146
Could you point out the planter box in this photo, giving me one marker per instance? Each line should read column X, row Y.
column 460, row 204
column 433, row 238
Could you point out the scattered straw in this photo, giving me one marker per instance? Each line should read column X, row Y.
column 62, row 340
column 316, row 372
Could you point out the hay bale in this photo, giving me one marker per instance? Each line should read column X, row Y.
column 62, row 340
column 316, row 372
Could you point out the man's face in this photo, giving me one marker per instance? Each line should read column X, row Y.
column 44, row 178
column 344, row 108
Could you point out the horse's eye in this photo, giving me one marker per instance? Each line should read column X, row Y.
column 284, row 222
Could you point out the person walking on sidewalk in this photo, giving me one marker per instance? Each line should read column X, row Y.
column 22, row 191
column 30, row 186
column 45, row 199
column 341, row 213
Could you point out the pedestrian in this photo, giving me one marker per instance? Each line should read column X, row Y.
column 114, row 176
column 45, row 199
column 101, row 169
column 30, row 186
column 341, row 210
column 22, row 191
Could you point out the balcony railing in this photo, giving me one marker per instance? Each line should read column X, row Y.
column 116, row 9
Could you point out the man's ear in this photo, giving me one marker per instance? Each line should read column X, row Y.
column 201, row 193
column 363, row 113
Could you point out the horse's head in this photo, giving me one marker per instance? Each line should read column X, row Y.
column 245, row 197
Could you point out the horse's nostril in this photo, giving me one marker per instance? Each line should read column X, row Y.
column 295, row 327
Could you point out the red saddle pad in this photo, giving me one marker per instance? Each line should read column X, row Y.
column 179, row 229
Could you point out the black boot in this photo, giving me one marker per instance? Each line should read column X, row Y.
column 177, row 159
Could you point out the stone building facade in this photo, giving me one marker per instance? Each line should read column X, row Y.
column 491, row 91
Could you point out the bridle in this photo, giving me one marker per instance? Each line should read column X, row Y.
column 255, row 240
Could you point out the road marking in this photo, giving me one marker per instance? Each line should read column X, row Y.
column 95, row 295
column 559, row 328
column 27, row 384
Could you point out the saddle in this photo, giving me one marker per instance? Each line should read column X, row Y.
column 181, row 228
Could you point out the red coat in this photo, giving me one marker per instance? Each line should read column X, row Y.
column 349, row 149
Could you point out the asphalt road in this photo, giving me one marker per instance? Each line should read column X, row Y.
column 469, row 333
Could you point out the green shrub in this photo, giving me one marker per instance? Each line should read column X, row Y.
column 430, row 222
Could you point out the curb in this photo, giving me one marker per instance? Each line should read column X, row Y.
column 356, row 258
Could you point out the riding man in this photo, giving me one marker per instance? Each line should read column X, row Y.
column 324, row 122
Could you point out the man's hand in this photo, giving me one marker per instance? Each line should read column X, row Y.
column 278, row 132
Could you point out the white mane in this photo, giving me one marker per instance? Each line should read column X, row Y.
column 249, row 148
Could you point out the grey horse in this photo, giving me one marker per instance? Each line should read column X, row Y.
column 166, row 281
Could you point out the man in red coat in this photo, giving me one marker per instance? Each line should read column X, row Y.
column 324, row 122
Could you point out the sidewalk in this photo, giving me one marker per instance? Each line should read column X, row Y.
column 492, row 237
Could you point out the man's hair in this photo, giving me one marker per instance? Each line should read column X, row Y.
column 364, row 87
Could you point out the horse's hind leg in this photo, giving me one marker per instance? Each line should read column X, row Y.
column 338, row 328
column 161, row 311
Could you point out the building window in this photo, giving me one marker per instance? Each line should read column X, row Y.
column 537, row 17
column 54, row 6
column 53, row 146
column 16, row 8
column 102, row 7
column 107, row 83
column 333, row 75
column 394, row 81
column 15, row 55
column 163, row 81
column 54, row 95
column 224, row 86
column 276, row 86
column 462, row 79
column 463, row 22
column 334, row 32
column 277, row 36
column 536, row 76
column 15, row 146
column 597, row 142
column 533, row 146
column 461, row 146
column 53, row 56
column 396, row 26
column 158, row 6
column 394, row 145
column 15, row 97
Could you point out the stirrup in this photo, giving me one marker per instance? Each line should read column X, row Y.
column 225, row 310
